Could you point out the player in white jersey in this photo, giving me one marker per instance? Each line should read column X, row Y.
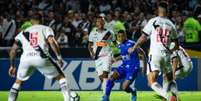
column 34, row 43
column 182, row 64
column 100, row 50
column 161, row 32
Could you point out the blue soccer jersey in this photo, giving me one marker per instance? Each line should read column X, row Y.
column 130, row 62
column 129, row 59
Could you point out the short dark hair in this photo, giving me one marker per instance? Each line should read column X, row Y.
column 37, row 16
column 121, row 31
column 163, row 4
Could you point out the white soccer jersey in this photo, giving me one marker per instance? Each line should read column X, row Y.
column 33, row 37
column 185, row 64
column 97, row 39
column 161, row 30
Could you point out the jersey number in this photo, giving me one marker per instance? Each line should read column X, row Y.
column 162, row 36
column 33, row 39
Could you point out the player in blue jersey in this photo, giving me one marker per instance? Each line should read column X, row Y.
column 129, row 67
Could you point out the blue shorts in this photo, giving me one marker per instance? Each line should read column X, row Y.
column 127, row 73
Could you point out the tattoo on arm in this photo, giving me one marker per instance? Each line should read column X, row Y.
column 54, row 45
column 13, row 53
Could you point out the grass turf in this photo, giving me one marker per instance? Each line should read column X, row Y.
column 95, row 96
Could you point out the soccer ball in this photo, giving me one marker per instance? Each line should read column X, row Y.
column 74, row 96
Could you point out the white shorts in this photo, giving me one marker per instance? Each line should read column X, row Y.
column 103, row 64
column 159, row 62
column 28, row 66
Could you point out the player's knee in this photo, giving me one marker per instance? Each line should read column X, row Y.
column 59, row 77
column 104, row 75
column 18, row 81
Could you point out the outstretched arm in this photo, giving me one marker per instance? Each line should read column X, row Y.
column 143, row 60
column 12, row 54
column 140, row 41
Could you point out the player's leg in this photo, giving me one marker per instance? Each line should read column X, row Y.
column 130, row 77
column 153, row 71
column 152, row 76
column 14, row 90
column 170, row 83
column 104, row 78
column 64, row 87
column 103, row 66
column 23, row 74
column 52, row 71
column 110, row 83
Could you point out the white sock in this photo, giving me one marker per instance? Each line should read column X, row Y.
column 173, row 87
column 104, row 85
column 159, row 90
column 65, row 89
column 165, row 85
column 14, row 92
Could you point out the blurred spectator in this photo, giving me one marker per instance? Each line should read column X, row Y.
column 9, row 29
column 69, row 30
column 45, row 5
column 73, row 5
column 104, row 7
column 63, row 40
column 85, row 37
column 74, row 17
column 191, row 30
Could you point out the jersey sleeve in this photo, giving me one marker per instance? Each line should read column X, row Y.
column 48, row 32
column 148, row 28
column 19, row 37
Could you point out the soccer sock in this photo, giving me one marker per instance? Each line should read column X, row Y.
column 14, row 92
column 133, row 92
column 65, row 89
column 165, row 85
column 104, row 85
column 109, row 85
column 173, row 87
column 158, row 89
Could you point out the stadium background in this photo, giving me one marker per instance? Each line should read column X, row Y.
column 71, row 19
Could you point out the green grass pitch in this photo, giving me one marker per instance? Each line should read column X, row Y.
column 95, row 96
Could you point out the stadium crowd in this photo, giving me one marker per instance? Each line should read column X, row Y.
column 72, row 20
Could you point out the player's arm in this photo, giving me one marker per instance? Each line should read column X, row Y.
column 90, row 48
column 175, row 62
column 140, row 41
column 12, row 54
column 55, row 47
column 143, row 60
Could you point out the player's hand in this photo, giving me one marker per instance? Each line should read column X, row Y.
column 60, row 63
column 12, row 71
column 92, row 56
column 131, row 50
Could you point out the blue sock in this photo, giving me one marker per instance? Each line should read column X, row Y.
column 133, row 92
column 109, row 85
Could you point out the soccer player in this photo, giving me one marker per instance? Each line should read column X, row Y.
column 181, row 62
column 129, row 67
column 100, row 50
column 161, row 32
column 34, row 43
